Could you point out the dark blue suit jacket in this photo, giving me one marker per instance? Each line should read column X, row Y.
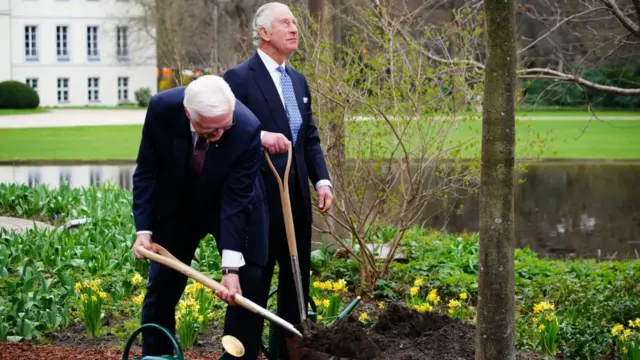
column 234, row 194
column 253, row 86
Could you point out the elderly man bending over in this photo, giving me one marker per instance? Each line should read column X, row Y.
column 198, row 173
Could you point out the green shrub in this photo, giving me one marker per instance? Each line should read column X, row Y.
column 551, row 92
column 143, row 96
column 17, row 95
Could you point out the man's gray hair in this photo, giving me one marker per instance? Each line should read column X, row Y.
column 208, row 96
column 264, row 18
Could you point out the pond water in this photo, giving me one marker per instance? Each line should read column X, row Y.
column 565, row 209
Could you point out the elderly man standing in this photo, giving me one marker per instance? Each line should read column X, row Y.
column 198, row 173
column 279, row 96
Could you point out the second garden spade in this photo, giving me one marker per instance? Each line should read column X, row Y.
column 283, row 184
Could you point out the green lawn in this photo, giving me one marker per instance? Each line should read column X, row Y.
column 23, row 111
column 71, row 143
column 610, row 139
column 582, row 113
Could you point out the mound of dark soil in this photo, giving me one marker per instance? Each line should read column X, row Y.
column 399, row 334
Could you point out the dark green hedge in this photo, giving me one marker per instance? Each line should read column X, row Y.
column 559, row 93
column 17, row 95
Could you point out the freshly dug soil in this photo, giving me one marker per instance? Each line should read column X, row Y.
column 399, row 334
column 75, row 336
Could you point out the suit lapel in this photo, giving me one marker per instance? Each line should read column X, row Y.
column 270, row 93
column 182, row 147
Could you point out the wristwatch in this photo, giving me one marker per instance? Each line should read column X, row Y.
column 230, row 271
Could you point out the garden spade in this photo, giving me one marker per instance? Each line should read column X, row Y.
column 283, row 184
column 164, row 257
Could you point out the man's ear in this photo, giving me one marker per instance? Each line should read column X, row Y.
column 263, row 33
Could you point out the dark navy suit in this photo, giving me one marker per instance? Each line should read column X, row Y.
column 227, row 200
column 253, row 85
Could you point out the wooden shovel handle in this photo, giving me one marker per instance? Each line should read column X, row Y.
column 283, row 184
column 163, row 256
column 166, row 258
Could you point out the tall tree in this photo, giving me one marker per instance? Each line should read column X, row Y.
column 496, row 295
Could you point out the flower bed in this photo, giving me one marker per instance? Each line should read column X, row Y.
column 577, row 309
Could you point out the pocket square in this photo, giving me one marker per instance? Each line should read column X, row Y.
column 305, row 99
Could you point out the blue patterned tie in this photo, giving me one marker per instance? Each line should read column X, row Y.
column 291, row 105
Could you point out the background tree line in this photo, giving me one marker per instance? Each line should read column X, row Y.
column 569, row 48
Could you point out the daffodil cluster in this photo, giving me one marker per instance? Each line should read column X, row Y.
column 416, row 300
column 193, row 313
column 459, row 308
column 328, row 297
column 91, row 300
column 627, row 340
column 547, row 327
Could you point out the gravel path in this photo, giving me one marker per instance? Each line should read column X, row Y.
column 63, row 118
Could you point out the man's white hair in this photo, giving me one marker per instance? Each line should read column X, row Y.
column 208, row 96
column 264, row 17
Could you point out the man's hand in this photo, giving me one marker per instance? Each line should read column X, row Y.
column 232, row 283
column 325, row 198
column 275, row 143
column 143, row 240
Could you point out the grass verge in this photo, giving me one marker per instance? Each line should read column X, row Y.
column 610, row 139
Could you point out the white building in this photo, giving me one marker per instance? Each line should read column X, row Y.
column 77, row 52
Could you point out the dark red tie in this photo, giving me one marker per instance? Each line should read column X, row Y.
column 199, row 155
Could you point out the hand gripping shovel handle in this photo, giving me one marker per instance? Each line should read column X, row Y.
column 164, row 257
column 283, row 184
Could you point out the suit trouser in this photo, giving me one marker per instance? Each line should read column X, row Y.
column 166, row 286
column 287, row 306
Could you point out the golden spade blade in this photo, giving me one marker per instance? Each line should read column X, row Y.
column 232, row 345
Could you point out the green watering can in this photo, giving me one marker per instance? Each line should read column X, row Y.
column 178, row 351
column 230, row 344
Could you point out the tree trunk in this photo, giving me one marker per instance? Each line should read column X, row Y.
column 495, row 337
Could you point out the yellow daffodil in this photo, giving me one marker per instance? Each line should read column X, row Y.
column 364, row 316
column 616, row 329
column 433, row 297
column 542, row 306
column 414, row 290
column 137, row 279
column 138, row 299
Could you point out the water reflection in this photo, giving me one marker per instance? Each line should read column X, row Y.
column 582, row 209
column 74, row 175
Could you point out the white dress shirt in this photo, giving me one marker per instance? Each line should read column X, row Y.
column 230, row 258
column 272, row 66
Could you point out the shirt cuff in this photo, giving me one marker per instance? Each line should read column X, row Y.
column 322, row 183
column 261, row 134
column 144, row 232
column 232, row 258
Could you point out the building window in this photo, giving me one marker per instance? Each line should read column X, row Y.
column 123, row 89
column 122, row 42
column 92, row 43
column 93, row 89
column 63, row 90
column 30, row 42
column 62, row 44
column 33, row 83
